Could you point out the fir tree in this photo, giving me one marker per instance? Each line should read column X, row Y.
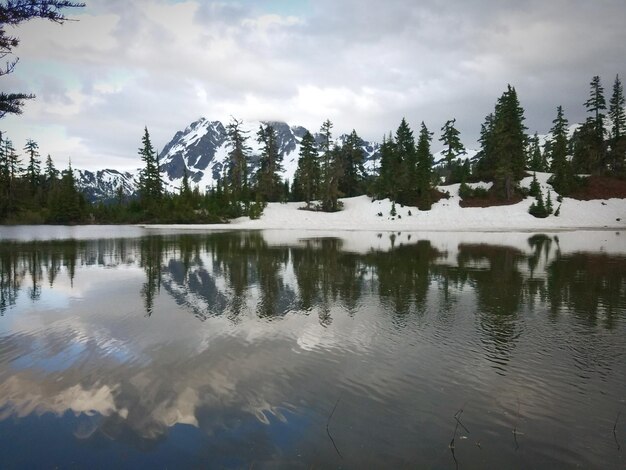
column 12, row 13
column 563, row 177
column 509, row 140
column 389, row 169
column 352, row 153
column 185, row 189
column 66, row 201
column 330, row 169
column 534, row 189
column 268, row 176
column 618, row 121
column 452, row 144
column 535, row 158
column 549, row 203
column 424, row 171
column 616, row 110
column 33, row 171
column 10, row 169
column 308, row 173
column 237, row 168
column 51, row 172
column 150, row 178
column 595, row 105
column 406, row 157
column 486, row 156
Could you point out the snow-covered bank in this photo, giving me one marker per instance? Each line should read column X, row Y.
column 361, row 213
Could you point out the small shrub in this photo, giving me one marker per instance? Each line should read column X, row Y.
column 465, row 191
column 480, row 192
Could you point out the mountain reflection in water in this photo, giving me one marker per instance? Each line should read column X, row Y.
column 231, row 350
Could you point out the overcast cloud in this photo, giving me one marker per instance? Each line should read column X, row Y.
column 363, row 64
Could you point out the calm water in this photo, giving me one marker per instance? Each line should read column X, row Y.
column 120, row 347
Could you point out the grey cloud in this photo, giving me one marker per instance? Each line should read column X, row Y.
column 429, row 60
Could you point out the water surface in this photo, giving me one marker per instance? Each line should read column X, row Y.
column 291, row 350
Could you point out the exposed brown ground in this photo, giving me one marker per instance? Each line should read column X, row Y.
column 600, row 187
column 492, row 199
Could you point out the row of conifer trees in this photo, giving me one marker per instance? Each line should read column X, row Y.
column 328, row 169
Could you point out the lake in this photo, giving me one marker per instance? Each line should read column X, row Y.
column 123, row 347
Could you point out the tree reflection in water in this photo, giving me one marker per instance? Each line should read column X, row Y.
column 191, row 268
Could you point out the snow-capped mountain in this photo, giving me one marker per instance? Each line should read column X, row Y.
column 202, row 149
column 103, row 185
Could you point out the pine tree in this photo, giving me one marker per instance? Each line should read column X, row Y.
column 595, row 105
column 330, row 169
column 185, row 189
column 406, row 157
column 51, row 172
column 268, row 176
column 452, row 144
column 535, row 158
column 11, row 168
column 618, row 135
column 237, row 168
column 65, row 200
column 308, row 173
column 549, row 203
column 486, row 156
column 390, row 167
column 424, row 171
column 12, row 13
column 616, row 110
column 509, row 141
column 563, row 177
column 33, row 171
column 353, row 172
column 534, row 189
column 150, row 178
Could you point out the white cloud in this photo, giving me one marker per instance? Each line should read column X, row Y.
column 363, row 64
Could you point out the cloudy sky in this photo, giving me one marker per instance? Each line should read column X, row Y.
column 363, row 64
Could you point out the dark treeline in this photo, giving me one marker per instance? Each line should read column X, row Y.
column 329, row 169
column 189, row 268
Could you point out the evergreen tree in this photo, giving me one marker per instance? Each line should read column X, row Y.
column 535, row 158
column 509, row 141
column 12, row 13
column 185, row 189
column 616, row 110
column 308, row 173
column 237, row 168
column 65, row 200
column 353, row 172
column 268, row 176
column 331, row 169
column 563, row 177
column 486, row 156
column 595, row 105
column 51, row 172
column 424, row 166
column 389, row 169
column 10, row 169
column 452, row 145
column 589, row 154
column 406, row 157
column 618, row 121
column 150, row 189
column 33, row 171
column 534, row 189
